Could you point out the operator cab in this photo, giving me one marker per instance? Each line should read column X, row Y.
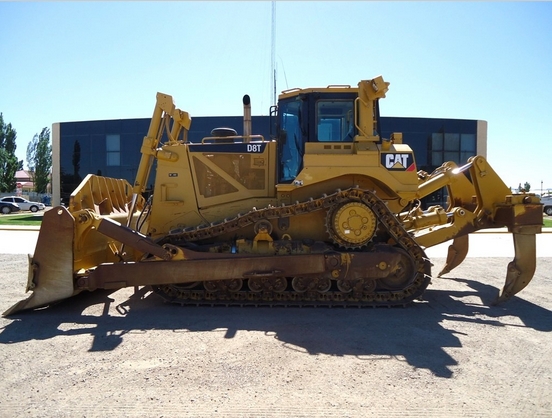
column 323, row 115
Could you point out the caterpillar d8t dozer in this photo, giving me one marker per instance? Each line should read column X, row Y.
column 325, row 212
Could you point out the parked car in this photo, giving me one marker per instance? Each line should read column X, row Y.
column 24, row 204
column 8, row 207
column 547, row 202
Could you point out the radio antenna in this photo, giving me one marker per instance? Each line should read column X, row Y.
column 273, row 54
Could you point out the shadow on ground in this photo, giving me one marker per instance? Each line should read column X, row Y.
column 418, row 333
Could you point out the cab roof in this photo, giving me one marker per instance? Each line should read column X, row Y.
column 330, row 89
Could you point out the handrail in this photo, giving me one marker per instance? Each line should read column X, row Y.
column 244, row 138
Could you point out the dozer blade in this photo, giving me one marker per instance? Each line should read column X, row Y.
column 457, row 252
column 522, row 268
column 51, row 267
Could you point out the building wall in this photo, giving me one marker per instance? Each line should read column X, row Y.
column 56, row 151
column 435, row 141
column 112, row 147
column 482, row 138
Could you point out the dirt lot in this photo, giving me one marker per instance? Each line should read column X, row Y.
column 115, row 354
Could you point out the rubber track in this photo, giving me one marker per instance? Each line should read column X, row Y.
column 291, row 298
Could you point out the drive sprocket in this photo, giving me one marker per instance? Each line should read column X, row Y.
column 351, row 225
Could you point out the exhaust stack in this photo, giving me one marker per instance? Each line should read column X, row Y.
column 246, row 118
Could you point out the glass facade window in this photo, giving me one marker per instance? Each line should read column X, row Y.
column 468, row 146
column 113, row 149
column 437, row 142
column 452, row 147
column 452, row 142
column 437, row 149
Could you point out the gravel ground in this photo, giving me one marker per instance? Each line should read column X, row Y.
column 130, row 355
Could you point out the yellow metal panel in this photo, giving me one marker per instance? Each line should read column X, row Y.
column 330, row 89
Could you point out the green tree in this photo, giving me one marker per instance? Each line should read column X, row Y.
column 8, row 160
column 526, row 187
column 39, row 160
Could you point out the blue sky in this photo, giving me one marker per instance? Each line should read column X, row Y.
column 73, row 61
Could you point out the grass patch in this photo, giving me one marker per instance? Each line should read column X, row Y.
column 547, row 223
column 24, row 219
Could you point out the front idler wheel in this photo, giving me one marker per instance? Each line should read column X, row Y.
column 403, row 275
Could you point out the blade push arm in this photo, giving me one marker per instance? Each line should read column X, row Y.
column 164, row 111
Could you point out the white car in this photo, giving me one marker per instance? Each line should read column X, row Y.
column 547, row 202
column 24, row 204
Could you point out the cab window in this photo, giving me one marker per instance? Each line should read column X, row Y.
column 334, row 121
column 292, row 147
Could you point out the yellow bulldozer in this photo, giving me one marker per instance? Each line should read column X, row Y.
column 325, row 212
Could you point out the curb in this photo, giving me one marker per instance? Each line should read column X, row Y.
column 19, row 228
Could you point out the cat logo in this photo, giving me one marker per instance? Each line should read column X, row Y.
column 401, row 161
